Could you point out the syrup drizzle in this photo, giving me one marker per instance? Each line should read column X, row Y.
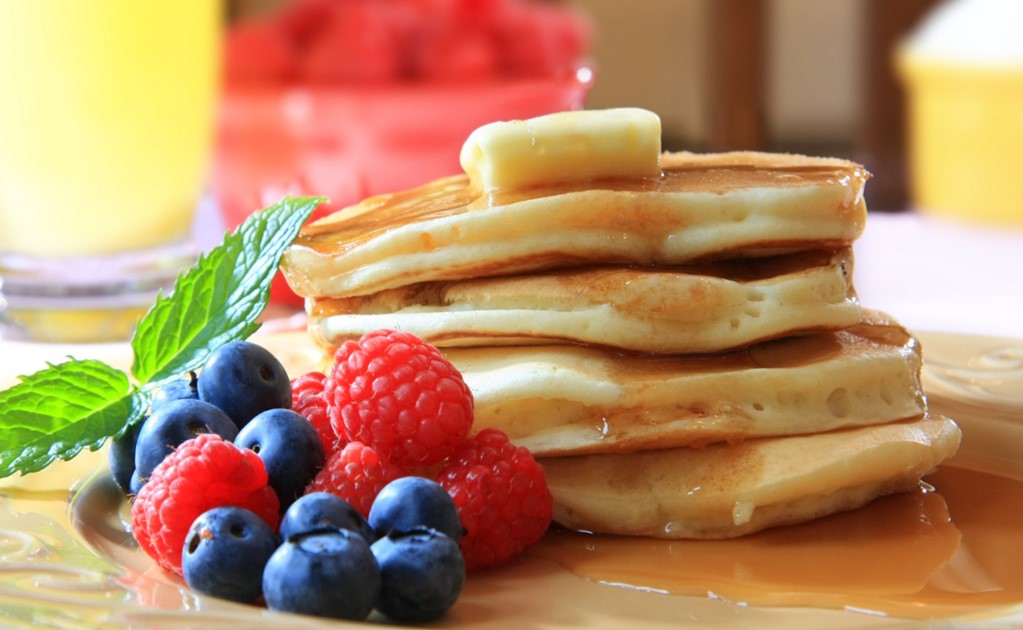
column 453, row 196
column 952, row 547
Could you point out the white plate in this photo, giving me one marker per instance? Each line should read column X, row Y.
column 67, row 561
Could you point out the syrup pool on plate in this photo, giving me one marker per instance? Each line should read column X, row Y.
column 952, row 547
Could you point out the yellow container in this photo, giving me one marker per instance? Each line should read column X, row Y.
column 965, row 138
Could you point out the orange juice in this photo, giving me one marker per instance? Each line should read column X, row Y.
column 106, row 113
column 963, row 70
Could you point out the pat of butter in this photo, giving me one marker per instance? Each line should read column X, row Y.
column 563, row 147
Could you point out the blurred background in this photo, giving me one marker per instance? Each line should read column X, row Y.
column 354, row 98
column 811, row 76
column 927, row 94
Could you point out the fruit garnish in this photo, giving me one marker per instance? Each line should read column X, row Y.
column 489, row 502
column 412, row 502
column 400, row 395
column 290, row 448
column 244, row 380
column 225, row 552
column 422, row 573
column 202, row 473
column 502, row 498
column 307, row 399
column 171, row 424
column 356, row 474
column 319, row 510
column 78, row 404
column 328, row 573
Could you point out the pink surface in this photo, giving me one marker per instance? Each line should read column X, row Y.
column 942, row 275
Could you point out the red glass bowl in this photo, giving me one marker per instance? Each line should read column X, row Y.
column 351, row 143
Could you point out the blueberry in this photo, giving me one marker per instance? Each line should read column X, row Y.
column 122, row 449
column 169, row 426
column 244, row 379
column 122, row 456
column 422, row 573
column 329, row 573
column 290, row 448
column 319, row 510
column 225, row 552
column 178, row 389
column 408, row 503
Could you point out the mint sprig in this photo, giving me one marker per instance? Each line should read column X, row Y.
column 78, row 404
column 84, row 403
column 220, row 298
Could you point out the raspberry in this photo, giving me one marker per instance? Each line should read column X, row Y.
column 256, row 52
column 302, row 20
column 203, row 473
column 456, row 56
column 502, row 498
column 543, row 40
column 400, row 395
column 354, row 45
column 356, row 474
column 307, row 399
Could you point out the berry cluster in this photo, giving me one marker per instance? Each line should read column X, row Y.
column 247, row 483
column 327, row 560
column 398, row 407
column 327, row 41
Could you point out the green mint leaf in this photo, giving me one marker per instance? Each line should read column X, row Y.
column 56, row 412
column 64, row 408
column 219, row 299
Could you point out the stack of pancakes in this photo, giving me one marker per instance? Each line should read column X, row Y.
column 685, row 353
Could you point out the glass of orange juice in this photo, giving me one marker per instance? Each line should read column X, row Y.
column 106, row 118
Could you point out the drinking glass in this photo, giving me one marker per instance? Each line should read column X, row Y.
column 106, row 118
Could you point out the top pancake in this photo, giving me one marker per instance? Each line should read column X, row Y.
column 701, row 207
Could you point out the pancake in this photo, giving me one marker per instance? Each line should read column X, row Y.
column 701, row 207
column 699, row 308
column 675, row 336
column 574, row 400
column 726, row 491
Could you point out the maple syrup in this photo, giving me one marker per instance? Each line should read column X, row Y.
column 953, row 546
column 453, row 195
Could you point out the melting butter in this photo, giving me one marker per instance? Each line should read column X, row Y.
column 563, row 147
